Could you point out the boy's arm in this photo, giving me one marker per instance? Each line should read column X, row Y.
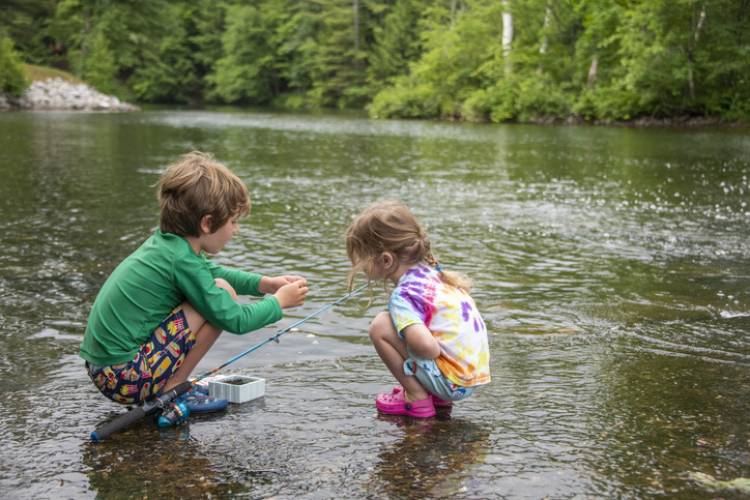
column 243, row 282
column 196, row 281
column 270, row 284
column 246, row 283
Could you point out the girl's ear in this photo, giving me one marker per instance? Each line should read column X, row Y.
column 205, row 225
column 388, row 260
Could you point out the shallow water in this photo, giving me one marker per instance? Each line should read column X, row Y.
column 612, row 267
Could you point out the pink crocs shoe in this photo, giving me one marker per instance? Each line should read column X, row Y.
column 394, row 404
column 439, row 403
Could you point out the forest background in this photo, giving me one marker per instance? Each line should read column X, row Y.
column 474, row 60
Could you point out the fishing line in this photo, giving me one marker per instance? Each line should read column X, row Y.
column 161, row 401
column 275, row 338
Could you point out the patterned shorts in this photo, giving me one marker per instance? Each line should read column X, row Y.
column 156, row 361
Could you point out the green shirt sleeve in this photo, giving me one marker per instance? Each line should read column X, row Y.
column 194, row 276
column 243, row 282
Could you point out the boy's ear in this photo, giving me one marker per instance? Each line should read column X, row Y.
column 205, row 225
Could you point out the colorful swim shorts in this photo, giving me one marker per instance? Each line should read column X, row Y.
column 152, row 365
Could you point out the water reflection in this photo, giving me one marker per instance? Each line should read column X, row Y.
column 611, row 265
column 146, row 462
column 431, row 458
column 665, row 417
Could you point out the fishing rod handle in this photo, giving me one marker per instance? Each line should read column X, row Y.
column 122, row 422
column 129, row 418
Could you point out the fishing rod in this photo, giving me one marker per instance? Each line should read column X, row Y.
column 161, row 401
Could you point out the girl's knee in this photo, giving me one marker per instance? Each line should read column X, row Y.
column 381, row 326
column 222, row 283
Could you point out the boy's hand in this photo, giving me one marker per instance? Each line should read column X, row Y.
column 292, row 294
column 272, row 285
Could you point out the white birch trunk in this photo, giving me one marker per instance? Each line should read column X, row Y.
column 507, row 35
column 701, row 20
column 547, row 15
column 696, row 36
column 591, row 80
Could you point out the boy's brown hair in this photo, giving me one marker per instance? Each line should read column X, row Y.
column 197, row 186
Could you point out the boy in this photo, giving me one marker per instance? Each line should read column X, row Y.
column 165, row 305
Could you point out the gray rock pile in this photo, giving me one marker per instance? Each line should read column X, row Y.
column 59, row 94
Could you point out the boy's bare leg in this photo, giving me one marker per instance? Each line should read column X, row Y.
column 392, row 350
column 205, row 336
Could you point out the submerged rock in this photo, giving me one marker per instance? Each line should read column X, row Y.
column 58, row 94
column 740, row 484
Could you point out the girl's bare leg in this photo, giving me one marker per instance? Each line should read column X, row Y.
column 205, row 336
column 392, row 350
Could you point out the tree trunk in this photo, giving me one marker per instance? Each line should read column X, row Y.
column 355, row 7
column 547, row 15
column 507, row 35
column 591, row 80
column 691, row 49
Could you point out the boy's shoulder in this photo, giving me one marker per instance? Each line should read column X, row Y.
column 165, row 245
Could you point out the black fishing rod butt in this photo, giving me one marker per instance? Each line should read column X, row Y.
column 123, row 421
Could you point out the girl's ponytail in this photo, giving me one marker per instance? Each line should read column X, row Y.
column 451, row 278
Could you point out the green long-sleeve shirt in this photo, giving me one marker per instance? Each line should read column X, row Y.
column 161, row 274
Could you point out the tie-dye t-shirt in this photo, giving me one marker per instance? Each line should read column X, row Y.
column 452, row 317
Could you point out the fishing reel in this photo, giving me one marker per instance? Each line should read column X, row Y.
column 173, row 414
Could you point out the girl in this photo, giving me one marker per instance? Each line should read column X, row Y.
column 433, row 340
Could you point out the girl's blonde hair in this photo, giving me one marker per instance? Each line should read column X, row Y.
column 196, row 186
column 389, row 226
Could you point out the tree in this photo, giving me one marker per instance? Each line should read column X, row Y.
column 397, row 42
column 12, row 80
column 105, row 34
column 246, row 73
column 25, row 22
column 187, row 52
column 339, row 54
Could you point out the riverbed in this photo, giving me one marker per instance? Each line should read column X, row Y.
column 612, row 267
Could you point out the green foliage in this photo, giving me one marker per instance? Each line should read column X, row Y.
column 397, row 42
column 294, row 39
column 406, row 101
column 97, row 65
column 26, row 22
column 12, row 79
column 187, row 51
column 109, row 40
column 246, row 72
column 458, row 57
column 338, row 52
column 596, row 59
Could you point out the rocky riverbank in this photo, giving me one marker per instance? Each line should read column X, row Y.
column 58, row 94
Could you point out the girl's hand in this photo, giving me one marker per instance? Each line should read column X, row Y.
column 272, row 285
column 292, row 294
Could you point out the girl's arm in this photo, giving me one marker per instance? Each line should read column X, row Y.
column 420, row 341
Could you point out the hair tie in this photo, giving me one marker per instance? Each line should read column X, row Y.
column 438, row 267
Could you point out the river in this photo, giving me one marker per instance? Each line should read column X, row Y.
column 612, row 267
